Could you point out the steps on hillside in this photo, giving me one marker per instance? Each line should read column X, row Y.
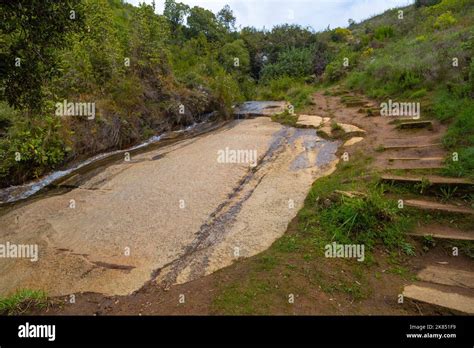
column 450, row 300
column 435, row 206
column 447, row 276
column 415, row 125
column 432, row 179
column 442, row 232
column 412, row 141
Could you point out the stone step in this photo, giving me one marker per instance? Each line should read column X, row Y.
column 355, row 103
column 311, row 121
column 432, row 179
column 352, row 141
column 442, row 232
column 410, row 146
column 415, row 125
column 413, row 163
column 412, row 141
column 416, row 159
column 447, row 276
column 435, row 206
column 436, row 297
column 350, row 128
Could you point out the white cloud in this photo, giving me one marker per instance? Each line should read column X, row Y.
column 317, row 14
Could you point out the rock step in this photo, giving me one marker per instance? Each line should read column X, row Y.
column 416, row 158
column 409, row 146
column 349, row 128
column 432, row 179
column 436, row 297
column 355, row 103
column 412, row 140
column 413, row 164
column 312, row 121
column 447, row 276
column 428, row 205
column 352, row 141
column 441, row 232
column 415, row 125
column 414, row 154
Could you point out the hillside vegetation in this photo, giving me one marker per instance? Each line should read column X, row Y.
column 148, row 73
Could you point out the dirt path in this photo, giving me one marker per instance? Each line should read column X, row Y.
column 170, row 215
column 414, row 149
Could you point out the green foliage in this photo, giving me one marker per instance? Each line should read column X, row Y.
column 175, row 12
column 336, row 69
column 204, row 21
column 39, row 143
column 35, row 29
column 295, row 91
column 296, row 62
column 234, row 56
column 384, row 32
column 340, row 34
column 460, row 135
column 445, row 21
column 23, row 300
column 285, row 37
column 226, row 18
column 285, row 118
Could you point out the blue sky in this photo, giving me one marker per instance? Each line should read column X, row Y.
column 317, row 14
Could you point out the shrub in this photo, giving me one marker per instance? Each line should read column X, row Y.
column 232, row 51
column 471, row 76
column 340, row 35
column 296, row 62
column 421, row 38
column 362, row 220
column 445, row 21
column 40, row 144
column 383, row 32
column 295, row 91
column 418, row 94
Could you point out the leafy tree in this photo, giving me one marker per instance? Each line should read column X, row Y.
column 255, row 41
column 287, row 36
column 203, row 21
column 35, row 30
column 175, row 12
column 234, row 57
column 226, row 18
column 148, row 40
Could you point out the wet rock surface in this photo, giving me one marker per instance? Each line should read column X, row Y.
column 169, row 215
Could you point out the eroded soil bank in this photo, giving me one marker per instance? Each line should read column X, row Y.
column 170, row 215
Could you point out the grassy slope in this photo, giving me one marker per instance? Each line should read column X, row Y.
column 415, row 63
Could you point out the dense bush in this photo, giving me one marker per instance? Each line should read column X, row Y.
column 295, row 62
column 384, row 32
column 444, row 21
